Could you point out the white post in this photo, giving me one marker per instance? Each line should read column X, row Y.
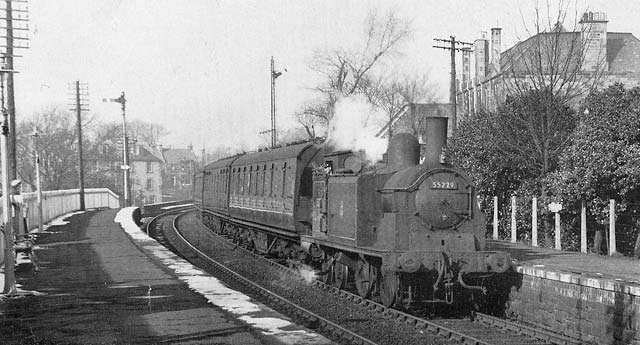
column 534, row 221
column 495, row 217
column 557, row 234
column 583, row 227
column 612, row 227
column 513, row 220
column 38, row 184
column 556, row 207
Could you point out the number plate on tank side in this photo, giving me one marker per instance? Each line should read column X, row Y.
column 444, row 185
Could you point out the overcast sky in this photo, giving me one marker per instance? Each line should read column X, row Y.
column 201, row 67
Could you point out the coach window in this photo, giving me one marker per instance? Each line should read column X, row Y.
column 284, row 178
column 225, row 178
column 290, row 183
column 247, row 187
column 277, row 181
column 233, row 180
column 264, row 177
column 259, row 180
column 243, row 177
column 237, row 181
column 252, row 181
column 271, row 181
column 255, row 180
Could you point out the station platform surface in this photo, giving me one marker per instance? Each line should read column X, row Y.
column 101, row 282
column 607, row 269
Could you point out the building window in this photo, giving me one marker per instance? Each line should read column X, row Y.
column 152, row 199
column 149, row 183
column 149, row 167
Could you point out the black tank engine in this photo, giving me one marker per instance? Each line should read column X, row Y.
column 402, row 232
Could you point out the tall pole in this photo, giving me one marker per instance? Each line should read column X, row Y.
column 274, row 75
column 80, row 162
column 125, row 151
column 11, row 108
column 125, row 147
column 452, row 88
column 274, row 137
column 9, row 253
column 38, row 183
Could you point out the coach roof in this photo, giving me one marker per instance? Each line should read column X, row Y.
column 291, row 151
column 221, row 163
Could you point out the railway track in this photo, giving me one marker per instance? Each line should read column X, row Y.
column 170, row 236
column 195, row 245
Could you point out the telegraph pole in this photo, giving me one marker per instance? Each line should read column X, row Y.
column 9, row 251
column 81, row 96
column 8, row 133
column 452, row 88
column 19, row 14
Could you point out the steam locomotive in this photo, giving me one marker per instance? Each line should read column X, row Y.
column 401, row 231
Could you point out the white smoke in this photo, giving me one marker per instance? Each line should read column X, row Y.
column 354, row 127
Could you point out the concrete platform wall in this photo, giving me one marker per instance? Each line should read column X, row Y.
column 595, row 310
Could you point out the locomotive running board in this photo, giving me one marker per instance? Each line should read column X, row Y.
column 365, row 251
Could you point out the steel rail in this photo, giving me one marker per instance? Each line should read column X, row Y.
column 311, row 319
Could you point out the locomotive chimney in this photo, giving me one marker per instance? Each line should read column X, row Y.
column 403, row 151
column 435, row 138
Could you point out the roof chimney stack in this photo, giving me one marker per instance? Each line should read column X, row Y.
column 481, row 48
column 496, row 41
column 594, row 41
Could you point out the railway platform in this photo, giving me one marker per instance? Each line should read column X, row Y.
column 105, row 282
column 605, row 268
column 584, row 296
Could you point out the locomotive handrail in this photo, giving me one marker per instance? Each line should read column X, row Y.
column 414, row 186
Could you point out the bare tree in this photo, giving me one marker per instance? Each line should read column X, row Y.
column 569, row 63
column 345, row 72
column 394, row 94
column 313, row 117
column 149, row 133
column 57, row 148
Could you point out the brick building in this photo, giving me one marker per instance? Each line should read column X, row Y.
column 595, row 56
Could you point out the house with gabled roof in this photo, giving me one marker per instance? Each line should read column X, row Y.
column 146, row 175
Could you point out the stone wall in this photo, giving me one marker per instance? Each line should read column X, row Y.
column 594, row 310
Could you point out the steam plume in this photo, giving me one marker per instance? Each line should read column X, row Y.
column 354, row 127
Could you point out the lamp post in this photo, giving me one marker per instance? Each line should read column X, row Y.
column 125, row 150
column 35, row 136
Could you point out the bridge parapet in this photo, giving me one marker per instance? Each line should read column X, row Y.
column 59, row 202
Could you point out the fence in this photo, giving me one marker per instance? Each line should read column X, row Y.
column 60, row 202
column 621, row 228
